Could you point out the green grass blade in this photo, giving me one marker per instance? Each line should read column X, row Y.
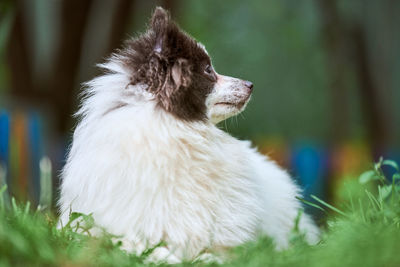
column 328, row 205
column 310, row 204
column 2, row 190
column 363, row 217
column 27, row 207
column 4, row 198
column 373, row 200
column 14, row 206
column 46, row 186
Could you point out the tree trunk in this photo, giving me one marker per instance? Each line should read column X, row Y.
column 18, row 57
column 74, row 17
column 374, row 117
column 334, row 41
column 119, row 24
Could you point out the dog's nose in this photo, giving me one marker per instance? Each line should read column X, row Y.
column 249, row 85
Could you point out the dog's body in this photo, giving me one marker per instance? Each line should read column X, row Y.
column 149, row 164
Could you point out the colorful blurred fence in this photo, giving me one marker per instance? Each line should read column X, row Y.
column 21, row 149
column 318, row 169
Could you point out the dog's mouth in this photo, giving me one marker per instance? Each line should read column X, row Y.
column 225, row 104
column 238, row 104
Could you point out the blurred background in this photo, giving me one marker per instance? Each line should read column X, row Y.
column 326, row 73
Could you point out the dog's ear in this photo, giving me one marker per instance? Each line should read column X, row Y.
column 159, row 24
column 178, row 80
column 180, row 73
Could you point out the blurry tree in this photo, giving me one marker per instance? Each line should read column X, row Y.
column 334, row 35
column 57, row 89
column 74, row 17
column 120, row 22
column 347, row 47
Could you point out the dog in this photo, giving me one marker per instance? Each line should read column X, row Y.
column 150, row 165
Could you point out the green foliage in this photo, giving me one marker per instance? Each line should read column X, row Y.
column 384, row 203
column 363, row 232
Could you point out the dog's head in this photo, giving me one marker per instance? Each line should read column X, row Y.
column 178, row 72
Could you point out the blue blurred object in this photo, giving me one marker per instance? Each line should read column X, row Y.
column 394, row 155
column 35, row 147
column 4, row 139
column 310, row 168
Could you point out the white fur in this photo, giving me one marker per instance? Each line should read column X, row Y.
column 149, row 177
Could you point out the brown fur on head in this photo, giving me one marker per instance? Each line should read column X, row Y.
column 172, row 65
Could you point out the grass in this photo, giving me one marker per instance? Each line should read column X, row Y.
column 363, row 231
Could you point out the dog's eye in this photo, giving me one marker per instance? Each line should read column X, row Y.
column 210, row 73
column 208, row 70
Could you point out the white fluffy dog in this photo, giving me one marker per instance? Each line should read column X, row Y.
column 149, row 164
